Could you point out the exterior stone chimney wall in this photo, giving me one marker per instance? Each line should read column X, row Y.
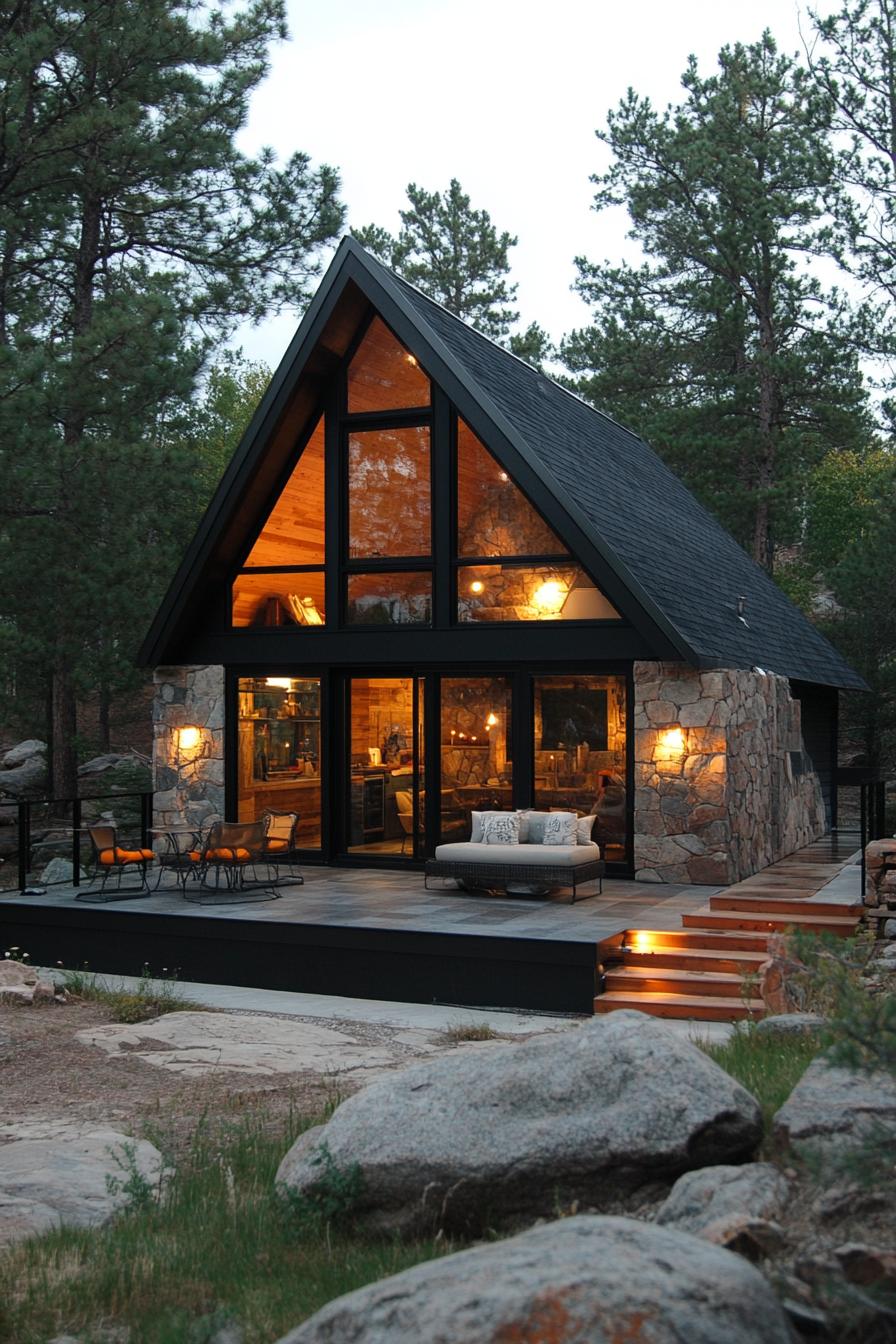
column 723, row 785
column 188, row 779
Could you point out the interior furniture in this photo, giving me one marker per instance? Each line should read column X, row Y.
column 280, row 830
column 111, row 860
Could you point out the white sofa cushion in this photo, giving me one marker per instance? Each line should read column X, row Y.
column 544, row 856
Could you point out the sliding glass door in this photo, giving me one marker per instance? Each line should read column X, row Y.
column 385, row 750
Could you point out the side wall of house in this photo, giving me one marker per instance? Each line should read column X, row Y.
column 188, row 778
column 723, row 784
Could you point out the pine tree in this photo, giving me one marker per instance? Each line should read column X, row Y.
column 853, row 63
column 721, row 348
column 134, row 236
column 454, row 254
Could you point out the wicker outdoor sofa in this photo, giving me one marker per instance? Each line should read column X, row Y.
column 483, row 866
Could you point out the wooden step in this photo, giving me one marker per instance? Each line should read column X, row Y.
column 695, row 958
column 649, row 940
column 760, row 921
column 690, row 1006
column 655, row 980
column 784, row 905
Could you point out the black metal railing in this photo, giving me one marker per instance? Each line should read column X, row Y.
column 872, row 787
column 25, row 810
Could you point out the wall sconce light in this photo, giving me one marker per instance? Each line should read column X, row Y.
column 491, row 721
column 476, row 586
column 188, row 738
column 670, row 744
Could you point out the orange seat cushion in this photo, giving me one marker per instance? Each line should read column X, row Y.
column 116, row 855
column 278, row 845
column 238, row 855
column 194, row 856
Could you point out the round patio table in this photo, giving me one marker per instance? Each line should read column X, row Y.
column 181, row 843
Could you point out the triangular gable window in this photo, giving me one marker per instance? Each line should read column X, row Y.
column 538, row 579
column 291, row 540
column 494, row 517
column 383, row 375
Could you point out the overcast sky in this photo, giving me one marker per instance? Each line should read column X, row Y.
column 505, row 95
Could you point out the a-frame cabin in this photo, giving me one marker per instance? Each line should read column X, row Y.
column 433, row 581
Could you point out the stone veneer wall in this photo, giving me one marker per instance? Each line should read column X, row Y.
column 188, row 781
column 732, row 798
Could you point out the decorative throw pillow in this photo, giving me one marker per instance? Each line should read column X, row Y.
column 584, row 827
column 476, row 825
column 501, row 828
column 524, row 826
column 559, row 828
column 534, row 827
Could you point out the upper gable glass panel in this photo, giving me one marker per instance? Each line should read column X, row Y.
column 494, row 518
column 294, row 531
column 384, row 376
column 389, row 493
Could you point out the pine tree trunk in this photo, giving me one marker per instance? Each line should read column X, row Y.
column 63, row 727
column 104, row 709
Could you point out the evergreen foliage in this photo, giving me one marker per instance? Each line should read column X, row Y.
column 134, row 236
column 721, row 348
column 454, row 254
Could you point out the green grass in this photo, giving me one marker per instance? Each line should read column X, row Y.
column 151, row 998
column 220, row 1245
column 768, row 1066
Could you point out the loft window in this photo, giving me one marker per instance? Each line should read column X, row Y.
column 389, row 493
column 383, row 375
column 282, row 579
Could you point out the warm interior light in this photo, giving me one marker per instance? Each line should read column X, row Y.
column 491, row 721
column 284, row 683
column 476, row 586
column 188, row 738
column 550, row 596
column 670, row 743
column 504, row 476
column 411, row 360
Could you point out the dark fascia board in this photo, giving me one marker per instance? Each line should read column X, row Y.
column 351, row 263
column 262, row 425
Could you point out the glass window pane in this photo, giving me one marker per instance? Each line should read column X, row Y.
column 389, row 493
column 477, row 753
column 389, row 599
column 382, row 768
column 530, row 593
column 294, row 531
column 278, row 599
column 384, row 376
column 279, row 752
column 494, row 517
column 579, row 739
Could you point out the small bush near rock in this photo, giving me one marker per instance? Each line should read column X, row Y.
column 457, row 1032
column 150, row 998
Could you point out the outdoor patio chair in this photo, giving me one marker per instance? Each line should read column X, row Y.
column 111, row 860
column 230, row 860
column 280, row 847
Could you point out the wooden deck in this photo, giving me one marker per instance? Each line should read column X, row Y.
column 699, row 972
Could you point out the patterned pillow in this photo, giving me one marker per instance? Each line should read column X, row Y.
column 560, row 828
column 534, row 827
column 501, row 828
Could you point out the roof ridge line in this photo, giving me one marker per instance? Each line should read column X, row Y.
column 538, row 373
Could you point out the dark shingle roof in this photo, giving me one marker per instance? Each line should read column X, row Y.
column 690, row 566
